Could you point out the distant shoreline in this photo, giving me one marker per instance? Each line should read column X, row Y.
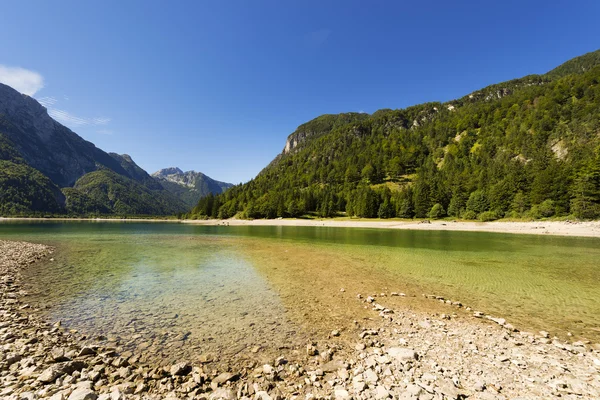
column 554, row 228
column 90, row 219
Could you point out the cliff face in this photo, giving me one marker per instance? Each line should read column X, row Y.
column 45, row 144
column 318, row 127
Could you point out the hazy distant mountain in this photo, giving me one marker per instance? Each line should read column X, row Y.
column 189, row 186
column 39, row 157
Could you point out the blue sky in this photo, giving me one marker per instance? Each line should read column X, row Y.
column 217, row 86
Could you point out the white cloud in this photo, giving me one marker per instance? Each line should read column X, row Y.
column 100, row 121
column 104, row 132
column 69, row 119
column 47, row 101
column 30, row 82
column 21, row 79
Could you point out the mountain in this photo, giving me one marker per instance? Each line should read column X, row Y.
column 526, row 148
column 48, row 169
column 189, row 186
column 45, row 144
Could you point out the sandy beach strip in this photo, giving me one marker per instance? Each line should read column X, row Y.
column 558, row 228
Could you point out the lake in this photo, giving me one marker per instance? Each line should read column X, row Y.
column 173, row 290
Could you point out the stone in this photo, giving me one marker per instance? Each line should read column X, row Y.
column 370, row 376
column 499, row 321
column 343, row 374
column 381, row 392
column 414, row 390
column 83, row 394
column 222, row 394
column 180, row 369
column 335, row 333
column 280, row 361
column 402, row 354
column 50, row 374
column 359, row 386
column 124, row 372
column 86, row 351
column 27, row 396
column 58, row 354
column 311, row 350
column 262, row 395
column 341, row 394
column 479, row 386
column 206, row 358
column 267, row 369
column 120, row 362
column 225, row 377
column 332, row 366
column 447, row 388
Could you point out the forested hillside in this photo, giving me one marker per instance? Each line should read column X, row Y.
column 48, row 170
column 524, row 148
column 106, row 192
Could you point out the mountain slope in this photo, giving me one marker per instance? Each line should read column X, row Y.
column 38, row 156
column 46, row 145
column 529, row 147
column 189, row 186
column 105, row 190
column 24, row 190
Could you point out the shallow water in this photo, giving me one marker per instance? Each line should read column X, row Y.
column 173, row 290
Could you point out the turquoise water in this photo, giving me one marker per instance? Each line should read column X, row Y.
column 177, row 288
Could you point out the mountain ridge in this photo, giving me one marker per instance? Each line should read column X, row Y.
column 527, row 147
column 189, row 186
column 46, row 169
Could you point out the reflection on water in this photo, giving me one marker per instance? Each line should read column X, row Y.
column 175, row 289
column 162, row 295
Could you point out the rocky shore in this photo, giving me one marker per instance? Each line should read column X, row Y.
column 395, row 353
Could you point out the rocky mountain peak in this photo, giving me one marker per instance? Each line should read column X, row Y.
column 167, row 171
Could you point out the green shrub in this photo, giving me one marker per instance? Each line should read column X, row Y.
column 513, row 214
column 437, row 211
column 469, row 215
column 488, row 216
column 547, row 208
column 477, row 202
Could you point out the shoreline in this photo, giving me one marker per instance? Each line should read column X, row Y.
column 554, row 228
column 66, row 219
column 589, row 229
column 395, row 353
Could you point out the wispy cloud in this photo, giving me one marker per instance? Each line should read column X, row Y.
column 104, row 132
column 47, row 101
column 30, row 82
column 69, row 119
column 25, row 81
